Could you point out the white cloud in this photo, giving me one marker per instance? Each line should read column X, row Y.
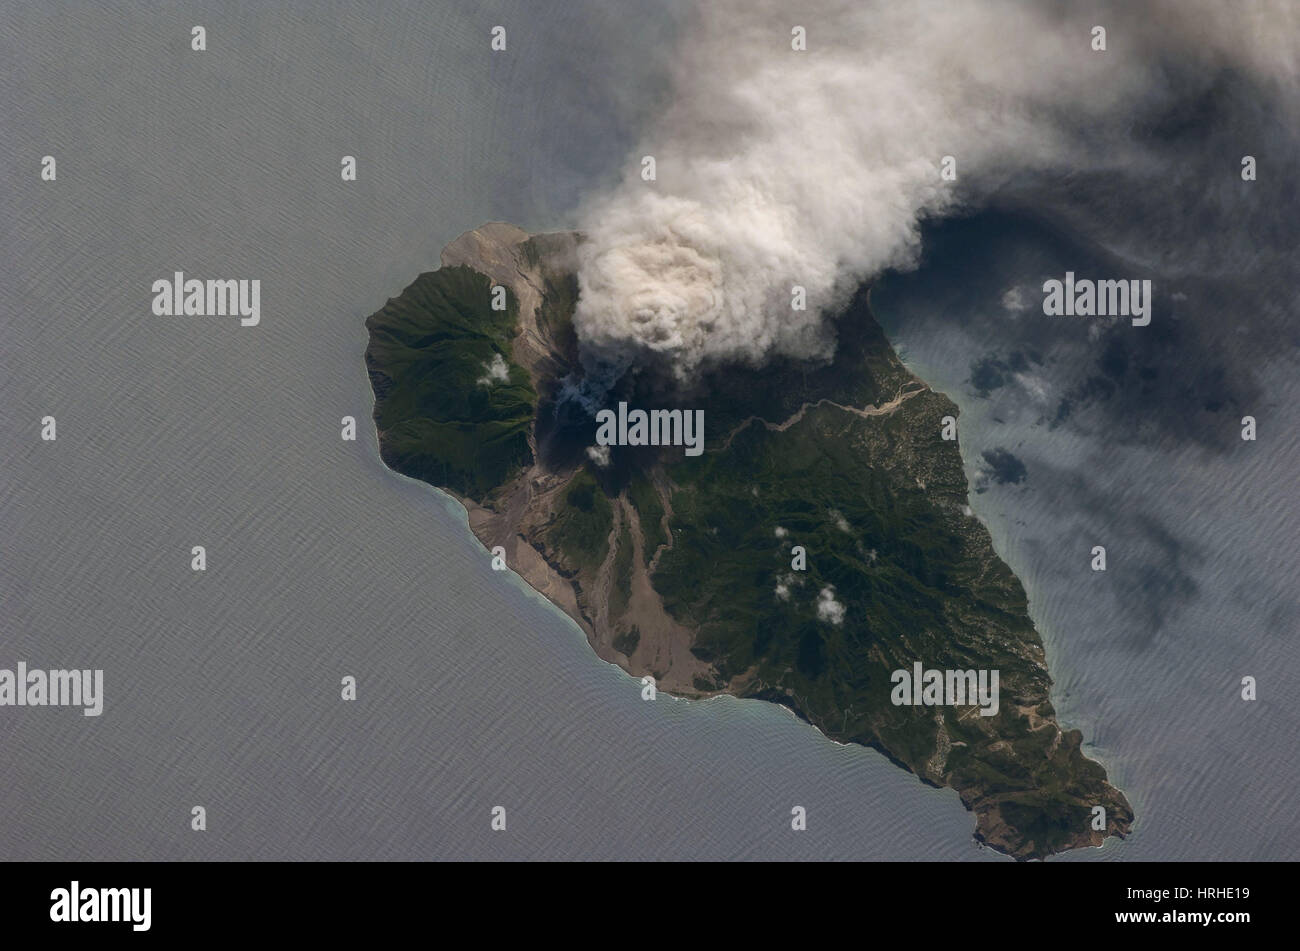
column 784, row 583
column 1036, row 386
column 1015, row 300
column 495, row 371
column 828, row 609
column 816, row 168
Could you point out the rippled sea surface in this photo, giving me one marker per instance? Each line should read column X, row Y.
column 222, row 688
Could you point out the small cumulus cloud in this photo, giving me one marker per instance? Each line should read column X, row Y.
column 495, row 371
column 1015, row 300
column 828, row 609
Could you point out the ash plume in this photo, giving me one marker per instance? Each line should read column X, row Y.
column 778, row 168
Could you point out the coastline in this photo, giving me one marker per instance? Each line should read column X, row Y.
column 518, row 515
column 1070, row 714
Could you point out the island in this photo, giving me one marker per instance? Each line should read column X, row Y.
column 820, row 542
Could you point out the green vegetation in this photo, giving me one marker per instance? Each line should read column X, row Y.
column 582, row 525
column 878, row 504
column 626, row 642
column 441, row 415
column 899, row 559
column 650, row 511
column 896, row 569
column 621, row 589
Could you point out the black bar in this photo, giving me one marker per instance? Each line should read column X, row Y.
column 368, row 900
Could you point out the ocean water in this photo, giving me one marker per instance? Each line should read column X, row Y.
column 1202, row 532
column 222, row 688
